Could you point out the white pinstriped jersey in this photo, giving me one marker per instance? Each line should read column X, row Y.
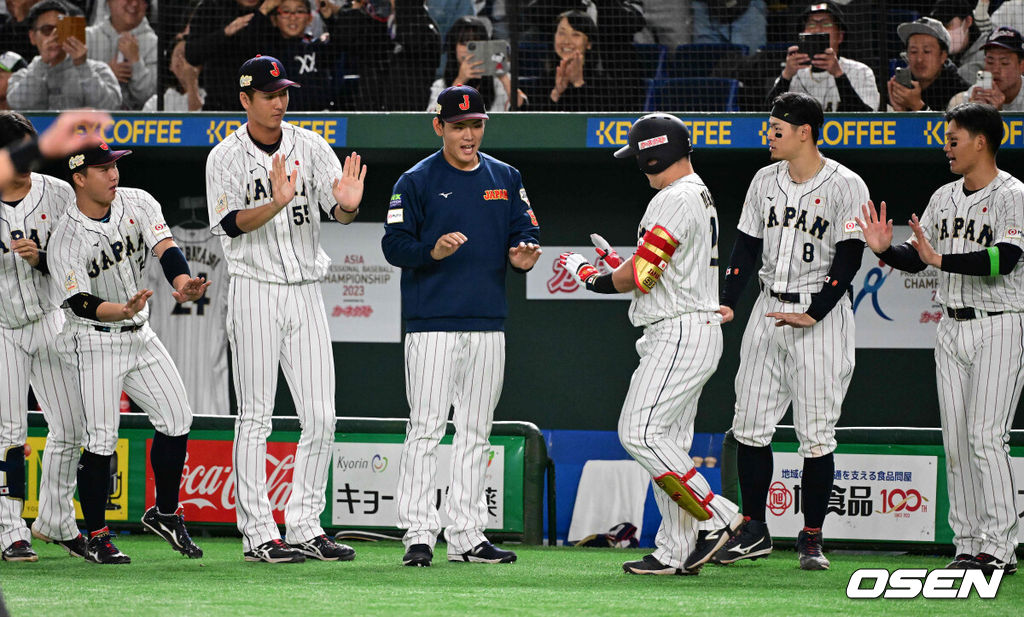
column 24, row 292
column 801, row 223
column 107, row 259
column 958, row 223
column 690, row 282
column 195, row 333
column 286, row 249
column 822, row 86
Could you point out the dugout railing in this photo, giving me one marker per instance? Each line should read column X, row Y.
column 360, row 490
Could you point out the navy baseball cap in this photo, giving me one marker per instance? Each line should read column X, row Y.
column 1006, row 38
column 265, row 74
column 93, row 157
column 459, row 103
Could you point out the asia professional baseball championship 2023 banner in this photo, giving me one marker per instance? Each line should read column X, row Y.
column 892, row 308
column 362, row 291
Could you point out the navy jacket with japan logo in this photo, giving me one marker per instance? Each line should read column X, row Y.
column 466, row 290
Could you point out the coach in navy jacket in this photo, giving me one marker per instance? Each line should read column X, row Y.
column 456, row 220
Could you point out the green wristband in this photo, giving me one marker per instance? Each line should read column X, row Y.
column 993, row 260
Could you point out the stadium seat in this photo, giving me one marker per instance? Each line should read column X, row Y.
column 531, row 58
column 650, row 60
column 700, row 60
column 692, row 94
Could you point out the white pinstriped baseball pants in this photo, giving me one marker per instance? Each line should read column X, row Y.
column 677, row 357
column 27, row 356
column 271, row 325
column 980, row 372
column 135, row 362
column 810, row 367
column 444, row 369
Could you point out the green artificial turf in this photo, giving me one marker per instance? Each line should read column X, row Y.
column 545, row 581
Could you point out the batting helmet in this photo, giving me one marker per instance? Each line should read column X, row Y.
column 657, row 141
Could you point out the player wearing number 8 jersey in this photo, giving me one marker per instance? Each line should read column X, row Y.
column 673, row 277
column 264, row 186
column 798, row 347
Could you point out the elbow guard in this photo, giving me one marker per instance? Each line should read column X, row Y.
column 84, row 305
column 652, row 257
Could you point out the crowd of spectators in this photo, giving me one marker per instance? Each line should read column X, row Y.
column 568, row 55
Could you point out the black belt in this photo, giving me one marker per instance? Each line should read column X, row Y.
column 793, row 298
column 116, row 328
column 968, row 313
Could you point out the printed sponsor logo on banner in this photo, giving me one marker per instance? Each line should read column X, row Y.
column 914, row 582
column 208, row 484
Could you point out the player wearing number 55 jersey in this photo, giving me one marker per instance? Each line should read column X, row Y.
column 972, row 231
column 265, row 186
column 97, row 255
column 673, row 277
column 798, row 347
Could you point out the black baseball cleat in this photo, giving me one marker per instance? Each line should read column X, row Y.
column 810, row 549
column 960, row 562
column 75, row 547
column 708, row 543
column 650, row 565
column 275, row 551
column 485, row 552
column 323, row 548
column 20, row 550
column 751, row 542
column 171, row 527
column 418, row 555
column 989, row 564
column 100, row 549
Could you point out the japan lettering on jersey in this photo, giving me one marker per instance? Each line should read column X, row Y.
column 286, row 249
column 801, row 223
column 107, row 259
column 689, row 282
column 959, row 223
column 24, row 290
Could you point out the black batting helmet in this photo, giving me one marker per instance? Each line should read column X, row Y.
column 657, row 141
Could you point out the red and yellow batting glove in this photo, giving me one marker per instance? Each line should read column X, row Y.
column 578, row 267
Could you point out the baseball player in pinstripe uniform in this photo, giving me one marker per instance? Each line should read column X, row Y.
column 194, row 332
column 673, row 276
column 97, row 254
column 29, row 323
column 456, row 221
column 269, row 225
column 798, row 347
column 972, row 231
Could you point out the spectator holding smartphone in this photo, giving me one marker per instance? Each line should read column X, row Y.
column 839, row 84
column 61, row 76
column 969, row 27
column 1004, row 62
column 934, row 78
column 463, row 67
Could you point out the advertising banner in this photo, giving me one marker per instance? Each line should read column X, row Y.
column 874, row 497
column 365, row 483
column 362, row 291
column 117, row 502
column 892, row 308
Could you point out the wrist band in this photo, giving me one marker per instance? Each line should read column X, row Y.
column 25, row 157
column 348, row 211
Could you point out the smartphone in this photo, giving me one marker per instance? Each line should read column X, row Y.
column 813, row 44
column 903, row 77
column 494, row 55
column 984, row 80
column 70, row 26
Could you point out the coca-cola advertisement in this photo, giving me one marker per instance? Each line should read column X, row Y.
column 208, row 484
